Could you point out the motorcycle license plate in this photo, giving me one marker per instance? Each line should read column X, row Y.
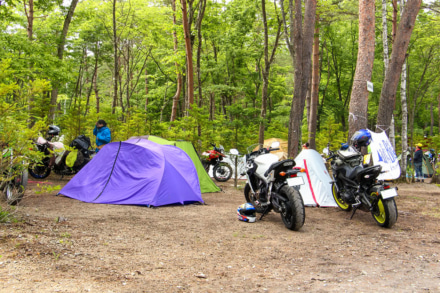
column 389, row 193
column 295, row 181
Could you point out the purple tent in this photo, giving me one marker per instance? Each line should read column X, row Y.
column 137, row 172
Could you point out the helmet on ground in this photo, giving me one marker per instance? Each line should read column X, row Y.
column 361, row 138
column 246, row 213
column 53, row 130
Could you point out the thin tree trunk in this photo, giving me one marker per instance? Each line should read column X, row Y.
column 95, row 89
column 266, row 69
column 315, row 90
column 60, row 53
column 364, row 67
column 179, row 76
column 400, row 46
column 188, row 49
column 202, row 6
column 116, row 61
column 431, row 130
column 146, row 90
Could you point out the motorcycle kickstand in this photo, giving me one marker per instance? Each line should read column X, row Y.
column 266, row 209
column 355, row 207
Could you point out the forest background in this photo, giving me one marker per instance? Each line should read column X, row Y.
column 209, row 71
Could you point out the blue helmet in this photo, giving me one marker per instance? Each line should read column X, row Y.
column 344, row 146
column 246, row 213
column 361, row 138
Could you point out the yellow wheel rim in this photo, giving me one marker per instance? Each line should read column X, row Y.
column 379, row 215
column 339, row 201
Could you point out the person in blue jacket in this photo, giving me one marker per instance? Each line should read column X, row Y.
column 418, row 161
column 102, row 133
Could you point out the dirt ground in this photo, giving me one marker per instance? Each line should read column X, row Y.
column 64, row 245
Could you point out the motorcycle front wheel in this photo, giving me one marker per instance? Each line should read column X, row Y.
column 39, row 172
column 292, row 211
column 222, row 172
column 346, row 207
column 385, row 212
column 13, row 194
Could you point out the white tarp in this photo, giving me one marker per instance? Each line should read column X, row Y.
column 383, row 154
column 317, row 188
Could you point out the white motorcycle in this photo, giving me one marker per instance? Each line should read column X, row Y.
column 274, row 185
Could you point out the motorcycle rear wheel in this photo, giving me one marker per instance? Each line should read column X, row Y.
column 39, row 172
column 222, row 172
column 292, row 213
column 13, row 194
column 385, row 213
column 346, row 207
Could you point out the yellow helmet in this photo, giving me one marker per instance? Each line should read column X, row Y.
column 419, row 145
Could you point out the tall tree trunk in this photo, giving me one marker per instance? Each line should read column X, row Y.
column 266, row 69
column 202, row 6
column 364, row 67
column 179, row 76
column 303, row 43
column 404, row 133
column 315, row 89
column 116, row 61
column 30, row 31
column 188, row 49
column 60, row 53
column 400, row 46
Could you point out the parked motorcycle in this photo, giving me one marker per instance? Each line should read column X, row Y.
column 355, row 186
column 61, row 161
column 274, row 185
column 14, row 180
column 222, row 171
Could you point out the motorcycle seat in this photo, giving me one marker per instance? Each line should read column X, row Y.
column 347, row 155
column 286, row 164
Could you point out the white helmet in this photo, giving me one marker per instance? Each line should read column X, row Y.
column 246, row 213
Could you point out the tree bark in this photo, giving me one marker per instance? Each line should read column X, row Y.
column 303, row 42
column 400, row 46
column 188, row 49
column 315, row 90
column 358, row 108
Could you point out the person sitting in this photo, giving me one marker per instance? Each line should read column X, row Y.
column 102, row 133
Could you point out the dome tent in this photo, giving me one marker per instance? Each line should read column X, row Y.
column 206, row 183
column 137, row 172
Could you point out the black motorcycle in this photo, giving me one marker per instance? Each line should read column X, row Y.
column 274, row 185
column 58, row 161
column 355, row 186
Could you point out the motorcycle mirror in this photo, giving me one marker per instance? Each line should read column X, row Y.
column 275, row 145
column 234, row 152
column 325, row 151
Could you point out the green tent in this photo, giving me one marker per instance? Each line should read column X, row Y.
column 206, row 183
